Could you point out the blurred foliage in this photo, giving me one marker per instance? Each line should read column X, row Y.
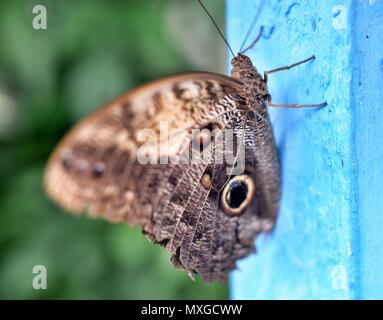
column 91, row 52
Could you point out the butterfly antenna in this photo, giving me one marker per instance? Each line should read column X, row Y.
column 253, row 23
column 216, row 26
column 251, row 45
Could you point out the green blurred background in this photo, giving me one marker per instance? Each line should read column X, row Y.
column 91, row 52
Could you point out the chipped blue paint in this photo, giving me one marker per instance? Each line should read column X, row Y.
column 328, row 241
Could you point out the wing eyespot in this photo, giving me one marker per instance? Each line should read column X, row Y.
column 206, row 179
column 67, row 158
column 98, row 170
column 237, row 195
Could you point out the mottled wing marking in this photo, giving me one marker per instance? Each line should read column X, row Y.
column 176, row 177
column 211, row 241
column 95, row 169
column 195, row 219
column 221, row 244
column 183, row 213
column 207, row 253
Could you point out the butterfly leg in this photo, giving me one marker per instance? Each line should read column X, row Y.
column 266, row 74
column 294, row 105
column 318, row 105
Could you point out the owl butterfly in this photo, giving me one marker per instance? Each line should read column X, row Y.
column 205, row 213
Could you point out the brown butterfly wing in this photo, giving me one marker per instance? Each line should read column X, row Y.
column 232, row 237
column 95, row 169
column 212, row 240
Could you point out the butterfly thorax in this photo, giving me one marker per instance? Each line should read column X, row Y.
column 254, row 87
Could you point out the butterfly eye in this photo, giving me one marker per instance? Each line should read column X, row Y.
column 237, row 195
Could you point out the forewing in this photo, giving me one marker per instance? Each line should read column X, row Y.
column 95, row 167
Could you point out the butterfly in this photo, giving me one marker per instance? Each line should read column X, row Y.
column 205, row 213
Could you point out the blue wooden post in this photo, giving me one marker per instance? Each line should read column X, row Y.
column 328, row 241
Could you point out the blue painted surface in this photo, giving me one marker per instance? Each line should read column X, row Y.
column 328, row 241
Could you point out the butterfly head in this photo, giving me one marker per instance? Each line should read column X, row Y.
column 243, row 69
column 254, row 86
